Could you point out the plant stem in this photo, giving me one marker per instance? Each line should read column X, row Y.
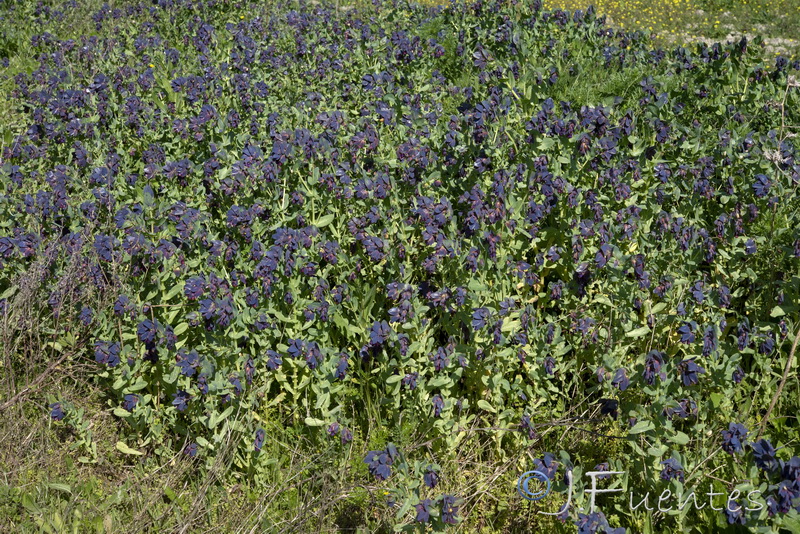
column 780, row 386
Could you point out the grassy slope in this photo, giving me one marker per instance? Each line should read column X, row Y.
column 58, row 481
column 44, row 487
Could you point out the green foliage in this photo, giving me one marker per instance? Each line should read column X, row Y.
column 266, row 237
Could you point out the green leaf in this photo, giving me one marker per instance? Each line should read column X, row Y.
column 8, row 292
column 312, row 421
column 777, row 311
column 439, row 381
column 639, row 332
column 680, row 438
column 325, row 220
column 641, row 426
column 138, row 385
column 216, row 418
column 323, row 401
column 475, row 285
column 60, row 487
column 792, row 523
column 546, row 142
column 124, row 449
column 181, row 328
column 29, row 504
column 177, row 288
column 602, row 299
column 484, row 405
column 404, row 509
column 394, row 378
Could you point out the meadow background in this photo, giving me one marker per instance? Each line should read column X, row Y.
column 78, row 455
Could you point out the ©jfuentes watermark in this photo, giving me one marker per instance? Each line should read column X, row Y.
column 524, row 489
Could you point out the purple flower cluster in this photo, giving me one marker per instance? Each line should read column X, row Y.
column 380, row 462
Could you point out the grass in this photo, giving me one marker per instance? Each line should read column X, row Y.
column 315, row 487
column 674, row 22
column 44, row 489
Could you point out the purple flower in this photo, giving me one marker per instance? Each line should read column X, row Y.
column 107, row 352
column 147, row 331
column 379, row 333
column 547, row 465
column 104, row 246
column 603, row 255
column 772, row 506
column 761, row 185
column 237, row 385
column 506, row 306
column 249, row 370
column 685, row 408
column 410, row 380
column 672, row 469
column 738, row 375
column 341, row 367
column 596, row 523
column 743, row 334
column 549, row 364
column 653, row 363
column 735, row 513
column 697, row 291
column 438, row 405
column 709, row 340
column 423, row 511
column 313, row 355
column 602, row 374
column 724, row 296
column 188, row 363
column 202, row 384
column 86, row 315
column 449, row 509
column 764, row 455
column 689, row 371
column 479, row 318
column 609, row 407
column 602, row 467
column 786, row 494
column 122, row 305
column 430, row 478
column 440, row 359
column 194, row 288
column 273, row 360
column 733, row 437
column 380, row 462
column 259, row 441
column 525, row 424
column 56, row 411
column 686, row 332
column 130, row 402
column 296, row 348
column 180, row 400
column 620, row 380
column 190, row 450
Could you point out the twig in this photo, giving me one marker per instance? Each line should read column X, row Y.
column 36, row 382
column 780, row 386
